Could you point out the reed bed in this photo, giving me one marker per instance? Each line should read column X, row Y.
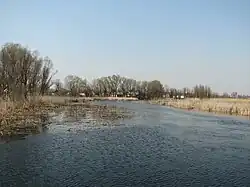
column 226, row 106
column 23, row 118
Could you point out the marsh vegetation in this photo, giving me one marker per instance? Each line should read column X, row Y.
column 29, row 94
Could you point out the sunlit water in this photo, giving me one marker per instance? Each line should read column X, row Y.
column 158, row 147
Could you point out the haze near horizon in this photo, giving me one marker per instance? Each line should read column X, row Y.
column 181, row 43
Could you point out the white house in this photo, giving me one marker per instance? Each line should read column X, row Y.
column 82, row 94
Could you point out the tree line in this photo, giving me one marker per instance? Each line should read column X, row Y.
column 120, row 86
column 24, row 73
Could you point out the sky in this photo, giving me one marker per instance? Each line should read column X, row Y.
column 181, row 43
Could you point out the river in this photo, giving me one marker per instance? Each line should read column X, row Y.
column 159, row 146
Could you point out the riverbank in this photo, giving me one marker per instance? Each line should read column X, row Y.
column 113, row 98
column 65, row 99
column 160, row 143
column 24, row 118
column 239, row 107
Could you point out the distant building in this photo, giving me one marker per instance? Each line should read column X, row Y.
column 82, row 94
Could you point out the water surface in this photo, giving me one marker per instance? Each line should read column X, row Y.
column 158, row 147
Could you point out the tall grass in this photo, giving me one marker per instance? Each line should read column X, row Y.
column 220, row 105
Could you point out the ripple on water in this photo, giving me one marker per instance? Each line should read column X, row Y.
column 153, row 150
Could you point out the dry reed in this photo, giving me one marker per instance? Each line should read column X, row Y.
column 227, row 106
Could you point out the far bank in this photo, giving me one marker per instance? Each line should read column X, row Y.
column 229, row 106
column 240, row 107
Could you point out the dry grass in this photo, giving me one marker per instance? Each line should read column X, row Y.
column 229, row 100
column 18, row 118
column 22, row 118
column 227, row 106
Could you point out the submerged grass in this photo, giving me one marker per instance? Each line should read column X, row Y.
column 23, row 118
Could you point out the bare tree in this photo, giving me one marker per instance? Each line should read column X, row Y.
column 155, row 89
column 23, row 72
column 75, row 85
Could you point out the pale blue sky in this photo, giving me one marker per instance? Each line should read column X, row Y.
column 179, row 42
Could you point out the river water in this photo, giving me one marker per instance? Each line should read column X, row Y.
column 159, row 146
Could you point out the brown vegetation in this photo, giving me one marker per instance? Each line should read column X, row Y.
column 21, row 118
column 29, row 117
column 24, row 76
column 220, row 105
